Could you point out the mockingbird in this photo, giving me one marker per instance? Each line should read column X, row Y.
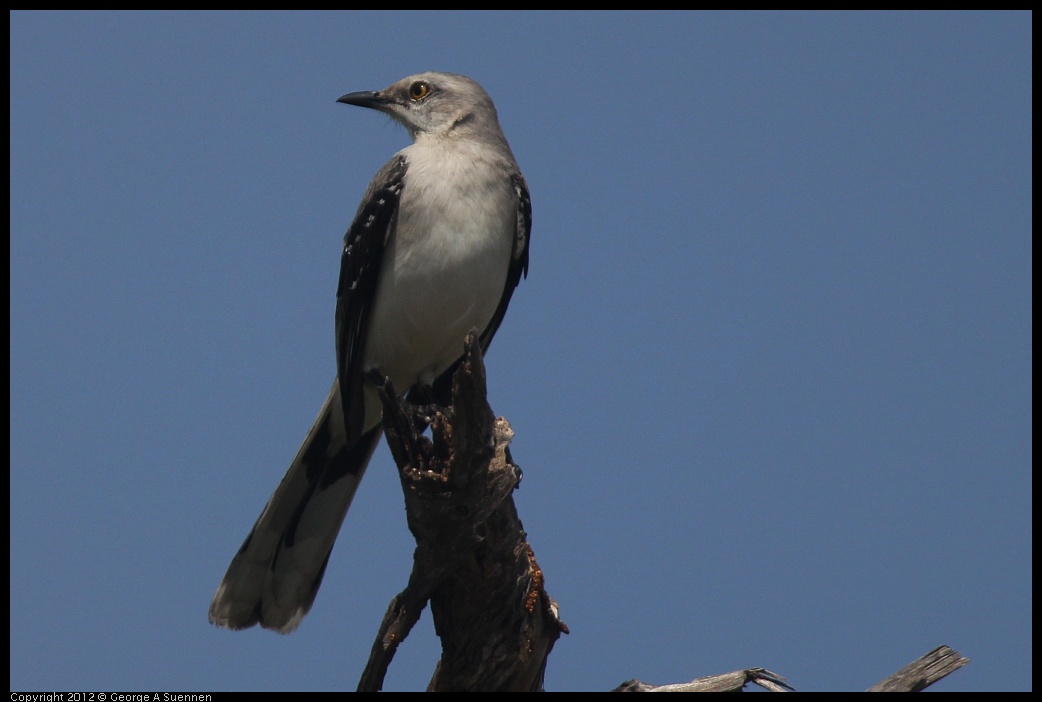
column 437, row 247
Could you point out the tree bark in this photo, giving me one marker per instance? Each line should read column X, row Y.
column 472, row 561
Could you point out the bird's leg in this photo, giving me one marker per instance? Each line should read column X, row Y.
column 423, row 407
column 419, row 404
column 380, row 380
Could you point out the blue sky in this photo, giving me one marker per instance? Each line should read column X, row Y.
column 770, row 372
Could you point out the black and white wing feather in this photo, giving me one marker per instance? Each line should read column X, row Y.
column 518, row 260
column 360, row 263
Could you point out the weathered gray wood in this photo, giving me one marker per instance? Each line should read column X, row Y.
column 727, row 682
column 916, row 676
column 923, row 672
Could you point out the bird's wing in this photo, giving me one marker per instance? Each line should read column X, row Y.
column 359, row 271
column 519, row 258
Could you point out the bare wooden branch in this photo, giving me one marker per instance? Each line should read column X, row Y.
column 474, row 565
column 920, row 674
column 472, row 561
column 727, row 682
column 916, row 676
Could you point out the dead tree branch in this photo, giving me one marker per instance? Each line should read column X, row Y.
column 727, row 682
column 916, row 676
column 472, row 561
column 474, row 565
column 922, row 672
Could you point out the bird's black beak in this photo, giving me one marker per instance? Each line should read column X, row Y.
column 366, row 98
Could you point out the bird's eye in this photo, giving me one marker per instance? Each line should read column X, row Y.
column 418, row 90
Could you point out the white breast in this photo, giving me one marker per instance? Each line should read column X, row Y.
column 445, row 269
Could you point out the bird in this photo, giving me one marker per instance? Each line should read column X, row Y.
column 436, row 248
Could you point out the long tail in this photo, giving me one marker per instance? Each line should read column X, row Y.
column 273, row 579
